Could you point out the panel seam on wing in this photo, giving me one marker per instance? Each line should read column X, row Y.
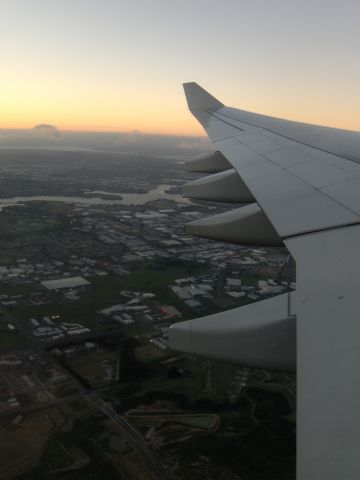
column 347, row 158
column 320, row 230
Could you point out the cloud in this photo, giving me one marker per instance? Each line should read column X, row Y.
column 195, row 144
column 41, row 135
column 7, row 137
column 129, row 138
column 47, row 130
column 135, row 142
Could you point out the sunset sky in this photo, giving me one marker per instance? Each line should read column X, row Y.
column 118, row 65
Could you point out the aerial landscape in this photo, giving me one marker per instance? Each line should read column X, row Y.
column 94, row 270
column 179, row 232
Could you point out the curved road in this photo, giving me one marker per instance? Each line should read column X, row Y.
column 137, row 439
column 134, row 435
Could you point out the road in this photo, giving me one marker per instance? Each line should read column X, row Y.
column 137, row 439
column 133, row 435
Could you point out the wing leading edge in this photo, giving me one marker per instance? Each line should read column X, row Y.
column 300, row 182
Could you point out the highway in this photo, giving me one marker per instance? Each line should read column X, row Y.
column 137, row 439
column 133, row 435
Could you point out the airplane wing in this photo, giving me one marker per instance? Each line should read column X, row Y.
column 300, row 187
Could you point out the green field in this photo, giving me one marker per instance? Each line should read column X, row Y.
column 11, row 342
column 103, row 292
column 149, row 352
column 89, row 364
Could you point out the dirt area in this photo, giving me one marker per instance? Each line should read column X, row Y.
column 21, row 448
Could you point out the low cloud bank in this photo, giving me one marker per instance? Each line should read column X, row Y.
column 135, row 142
column 47, row 130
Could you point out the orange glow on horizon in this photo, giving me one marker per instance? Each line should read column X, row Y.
column 185, row 131
column 156, row 111
column 189, row 128
column 122, row 69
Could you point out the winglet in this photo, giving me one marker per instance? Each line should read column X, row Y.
column 199, row 99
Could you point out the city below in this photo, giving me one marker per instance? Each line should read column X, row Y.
column 94, row 268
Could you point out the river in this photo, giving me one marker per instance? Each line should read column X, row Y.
column 158, row 193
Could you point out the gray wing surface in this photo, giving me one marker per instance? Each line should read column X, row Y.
column 300, row 186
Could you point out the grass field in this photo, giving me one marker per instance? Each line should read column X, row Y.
column 89, row 364
column 105, row 291
column 150, row 352
column 12, row 341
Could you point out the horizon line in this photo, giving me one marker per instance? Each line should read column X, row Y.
column 69, row 129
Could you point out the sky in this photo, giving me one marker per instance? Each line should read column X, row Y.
column 119, row 65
